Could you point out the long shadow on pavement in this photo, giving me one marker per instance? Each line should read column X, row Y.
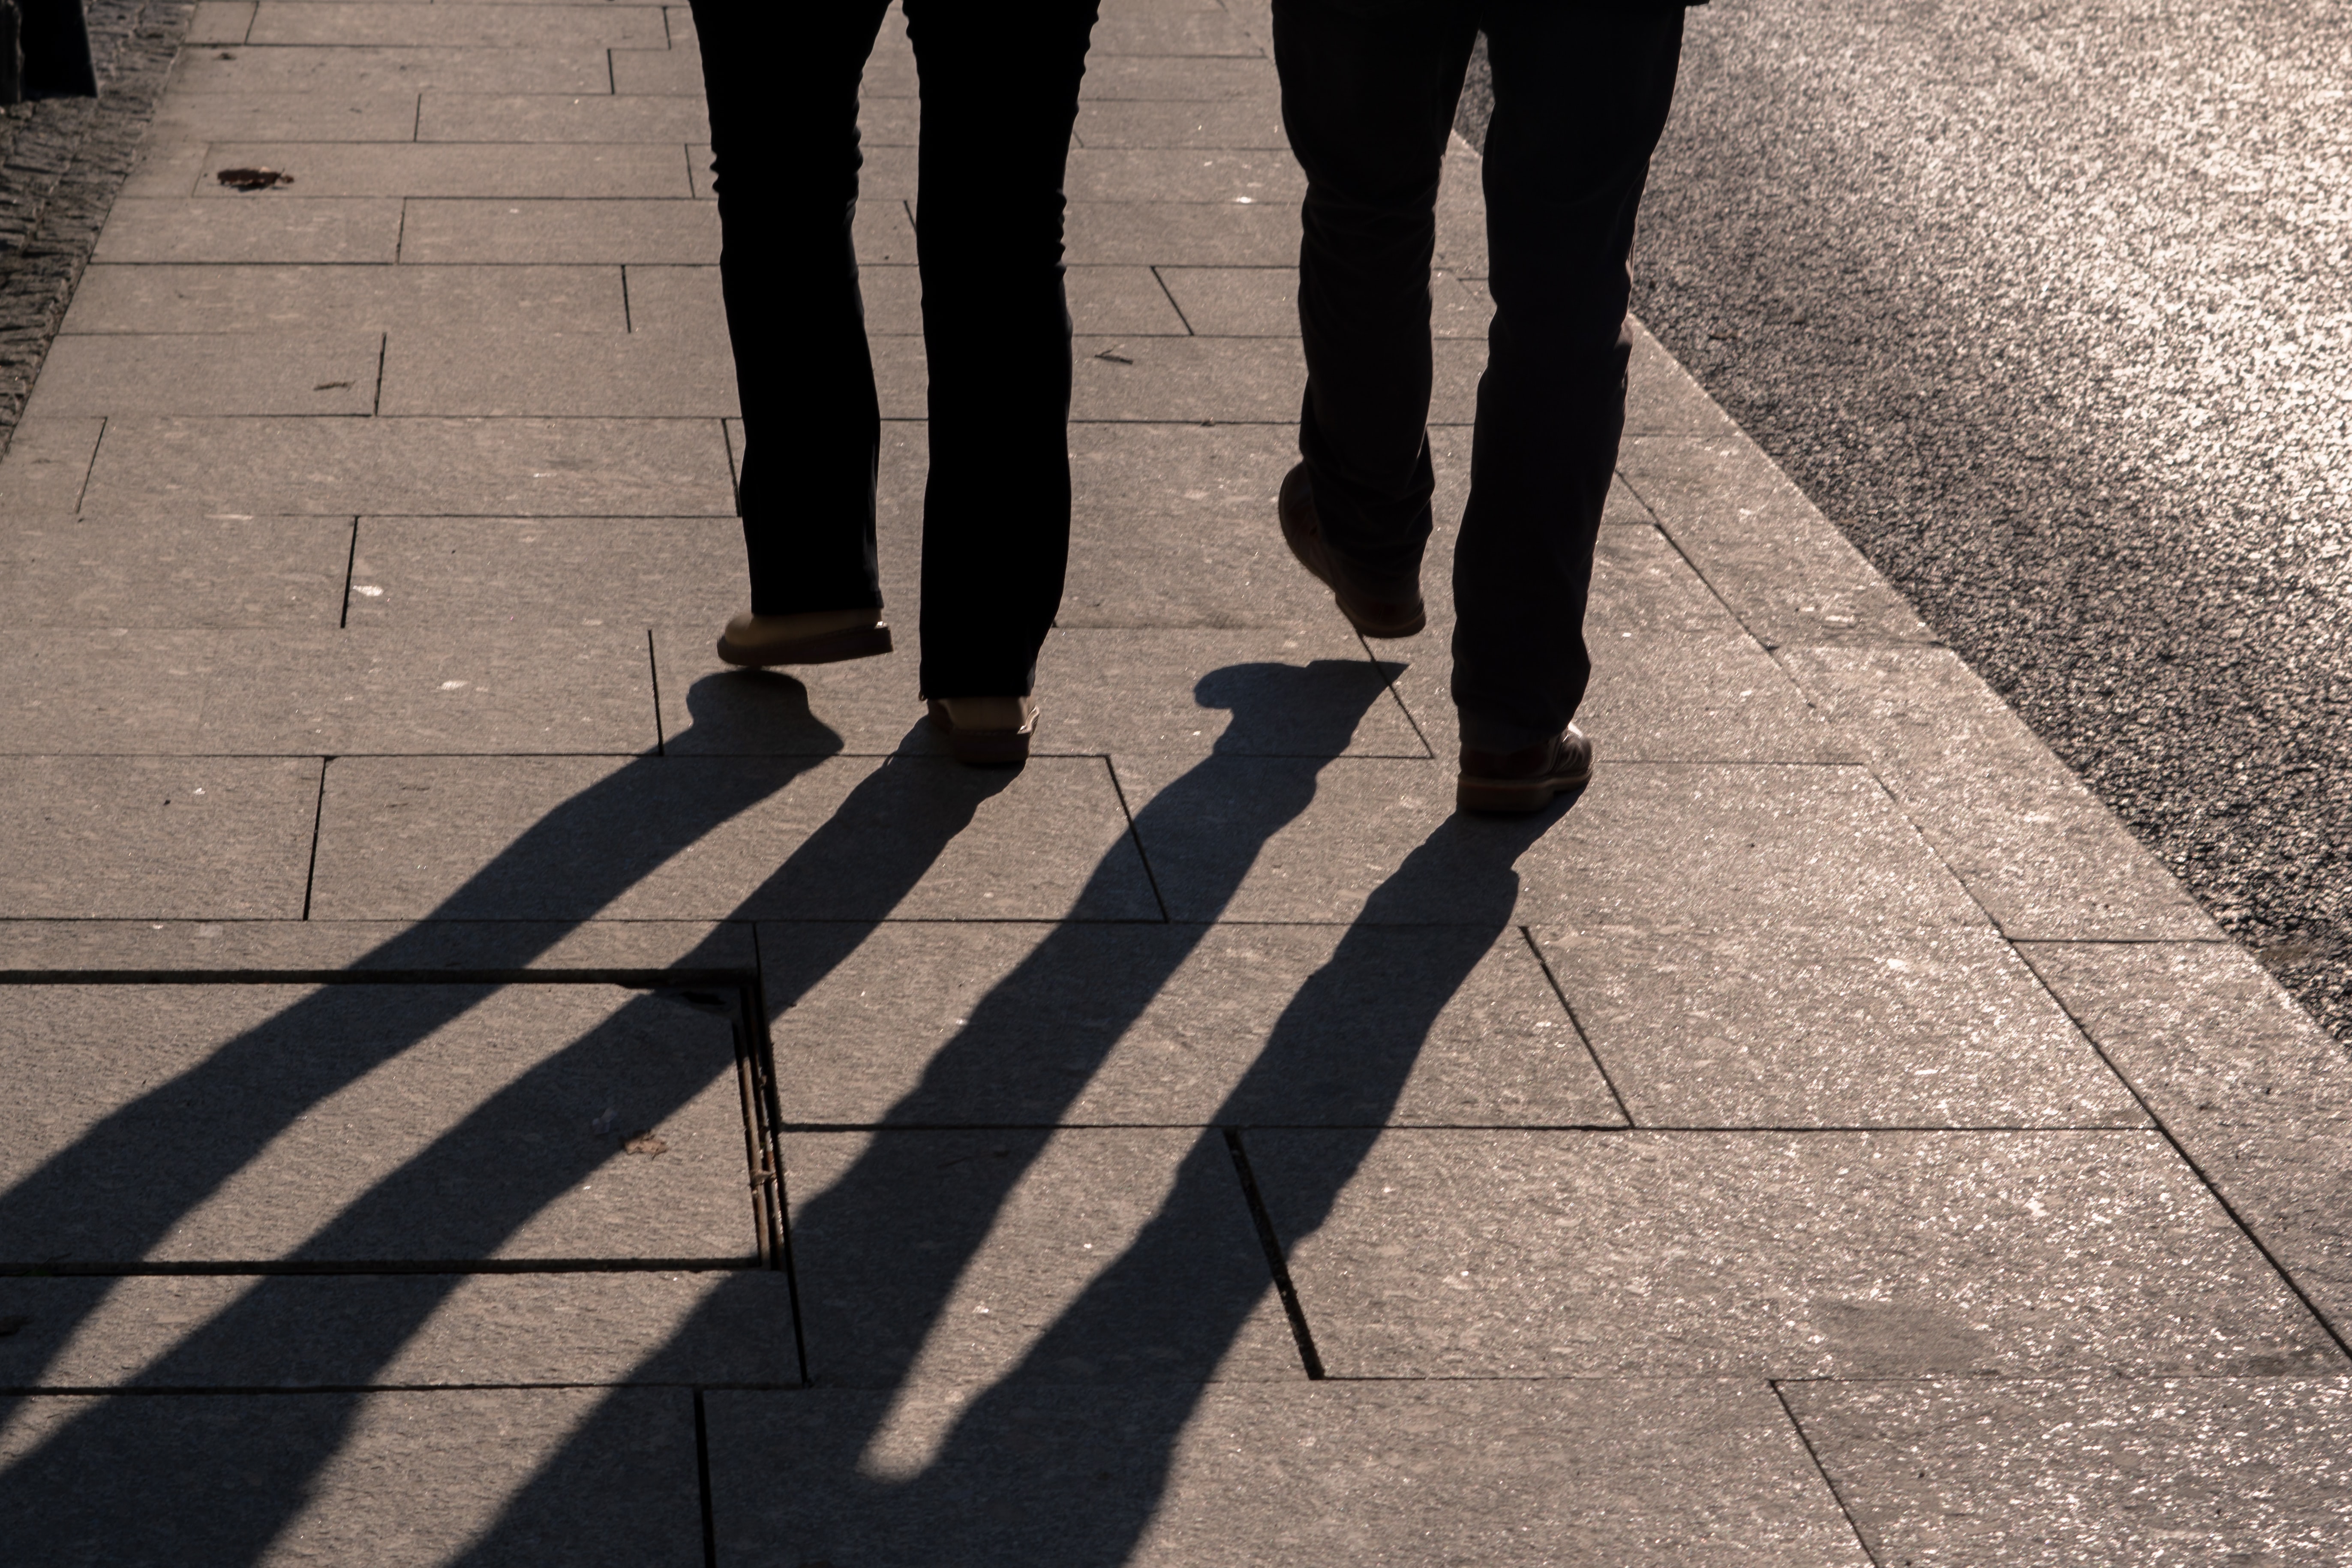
column 115, row 1484
column 1050, row 1467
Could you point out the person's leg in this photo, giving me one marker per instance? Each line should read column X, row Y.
column 1580, row 98
column 1369, row 102
column 1000, row 93
column 782, row 88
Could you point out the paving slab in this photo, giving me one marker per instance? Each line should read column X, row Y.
column 162, row 167
column 1225, row 126
column 1180, row 380
column 306, row 117
column 2037, row 850
column 404, row 1479
column 425, row 68
column 1655, row 847
column 1102, row 1255
column 47, row 465
column 429, row 468
column 1661, row 398
column 331, row 693
column 1675, row 677
column 1126, row 300
column 521, row 118
column 260, row 227
column 679, row 299
column 1172, row 525
column 563, row 232
column 1809, row 1028
column 370, row 1124
column 1187, row 79
column 691, row 953
column 1170, row 32
column 360, row 24
column 217, row 374
column 465, row 572
column 1102, row 1025
column 261, row 299
column 1220, row 233
column 1788, row 575
column 736, row 837
column 1850, row 1255
column 221, row 573
column 2258, row 1096
column 220, row 22
column 1379, row 1474
column 156, row 837
column 280, row 1331
column 579, row 172
column 657, row 71
column 1108, row 175
column 581, row 375
column 1182, row 693
column 2206, row 1471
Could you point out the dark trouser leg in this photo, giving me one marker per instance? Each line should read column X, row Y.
column 1580, row 98
column 1000, row 92
column 1368, row 102
column 783, row 85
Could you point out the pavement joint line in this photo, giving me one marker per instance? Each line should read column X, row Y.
column 1135, row 838
column 2327, row 1325
column 702, row 1453
column 1277, row 1266
column 318, row 820
column 1821, row 1470
column 1584, row 1036
column 652, row 671
column 350, row 561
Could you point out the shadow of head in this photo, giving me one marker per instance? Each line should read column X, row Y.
column 1291, row 710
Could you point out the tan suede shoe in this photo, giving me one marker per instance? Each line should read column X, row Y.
column 986, row 732
column 1526, row 779
column 813, row 637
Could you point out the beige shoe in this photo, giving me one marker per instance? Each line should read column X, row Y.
column 986, row 732
column 1526, row 779
column 813, row 637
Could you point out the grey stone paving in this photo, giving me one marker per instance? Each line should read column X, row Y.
column 490, row 1084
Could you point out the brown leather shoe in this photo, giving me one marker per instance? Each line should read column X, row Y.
column 986, row 732
column 813, row 637
column 1382, row 614
column 1526, row 779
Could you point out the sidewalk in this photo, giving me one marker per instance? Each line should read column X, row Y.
column 487, row 1084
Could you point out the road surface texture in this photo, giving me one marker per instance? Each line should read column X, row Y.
column 2046, row 306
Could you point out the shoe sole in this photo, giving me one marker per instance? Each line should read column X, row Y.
column 1291, row 533
column 1519, row 797
column 833, row 647
column 981, row 748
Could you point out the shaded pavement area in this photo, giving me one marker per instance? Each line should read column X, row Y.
column 486, row 1084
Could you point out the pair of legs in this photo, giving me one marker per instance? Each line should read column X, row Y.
column 1581, row 99
column 1000, row 91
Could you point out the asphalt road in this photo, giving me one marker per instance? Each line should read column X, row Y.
column 2049, row 308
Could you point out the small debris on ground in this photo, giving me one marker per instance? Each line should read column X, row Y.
column 254, row 179
column 648, row 1143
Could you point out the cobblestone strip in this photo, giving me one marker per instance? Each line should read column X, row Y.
column 61, row 161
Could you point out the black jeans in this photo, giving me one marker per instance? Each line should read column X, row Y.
column 1580, row 98
column 1000, row 91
